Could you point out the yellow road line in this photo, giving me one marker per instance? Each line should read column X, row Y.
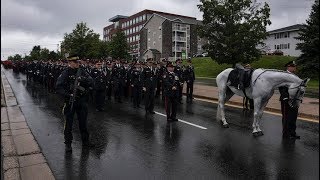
column 269, row 112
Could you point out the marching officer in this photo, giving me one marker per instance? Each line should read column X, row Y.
column 178, row 70
column 171, row 90
column 100, row 83
column 162, row 71
column 159, row 79
column 149, row 85
column 136, row 84
column 118, row 78
column 289, row 114
column 76, row 100
column 109, row 79
column 189, row 77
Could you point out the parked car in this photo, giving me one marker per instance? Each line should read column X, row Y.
column 198, row 55
column 278, row 52
column 205, row 54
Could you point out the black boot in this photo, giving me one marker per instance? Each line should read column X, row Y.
column 68, row 148
column 87, row 144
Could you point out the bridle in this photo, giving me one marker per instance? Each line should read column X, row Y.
column 296, row 98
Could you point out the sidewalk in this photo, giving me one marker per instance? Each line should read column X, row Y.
column 308, row 109
column 22, row 157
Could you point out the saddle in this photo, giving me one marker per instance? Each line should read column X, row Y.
column 240, row 77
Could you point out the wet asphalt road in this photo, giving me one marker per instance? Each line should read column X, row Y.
column 132, row 146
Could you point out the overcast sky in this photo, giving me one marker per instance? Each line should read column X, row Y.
column 25, row 23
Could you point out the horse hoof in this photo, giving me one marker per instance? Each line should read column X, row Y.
column 255, row 134
column 225, row 125
column 260, row 133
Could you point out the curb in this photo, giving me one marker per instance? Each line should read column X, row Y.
column 274, row 110
column 22, row 156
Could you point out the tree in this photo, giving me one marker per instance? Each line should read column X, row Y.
column 10, row 58
column 17, row 57
column 82, row 41
column 104, row 49
column 308, row 61
column 44, row 54
column 118, row 46
column 234, row 29
column 35, row 53
column 53, row 55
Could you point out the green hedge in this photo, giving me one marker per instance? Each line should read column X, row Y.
column 206, row 67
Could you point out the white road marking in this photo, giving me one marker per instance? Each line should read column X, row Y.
column 240, row 107
column 186, row 122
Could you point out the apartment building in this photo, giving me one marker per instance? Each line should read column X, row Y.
column 170, row 36
column 184, row 27
column 284, row 39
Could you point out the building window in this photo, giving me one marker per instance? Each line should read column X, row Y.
column 288, row 34
column 288, row 45
column 159, row 36
column 275, row 46
column 154, row 43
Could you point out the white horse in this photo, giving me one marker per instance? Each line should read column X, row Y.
column 262, row 86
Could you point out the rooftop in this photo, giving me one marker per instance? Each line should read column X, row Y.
column 117, row 18
column 289, row 28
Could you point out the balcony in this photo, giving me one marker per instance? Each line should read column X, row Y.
column 179, row 49
column 179, row 28
column 181, row 39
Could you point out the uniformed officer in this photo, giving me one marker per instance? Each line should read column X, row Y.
column 76, row 100
column 149, row 86
column 162, row 71
column 118, row 78
column 289, row 114
column 108, row 71
column 136, row 84
column 179, row 71
column 100, row 83
column 247, row 101
column 189, row 78
column 171, row 90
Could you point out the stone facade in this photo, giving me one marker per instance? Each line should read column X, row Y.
column 166, row 39
column 193, row 40
column 143, row 41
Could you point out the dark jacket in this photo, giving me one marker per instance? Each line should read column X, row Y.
column 65, row 83
column 135, row 77
column 189, row 74
column 149, row 78
column 99, row 79
column 170, row 80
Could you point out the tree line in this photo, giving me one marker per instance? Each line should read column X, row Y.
column 83, row 42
